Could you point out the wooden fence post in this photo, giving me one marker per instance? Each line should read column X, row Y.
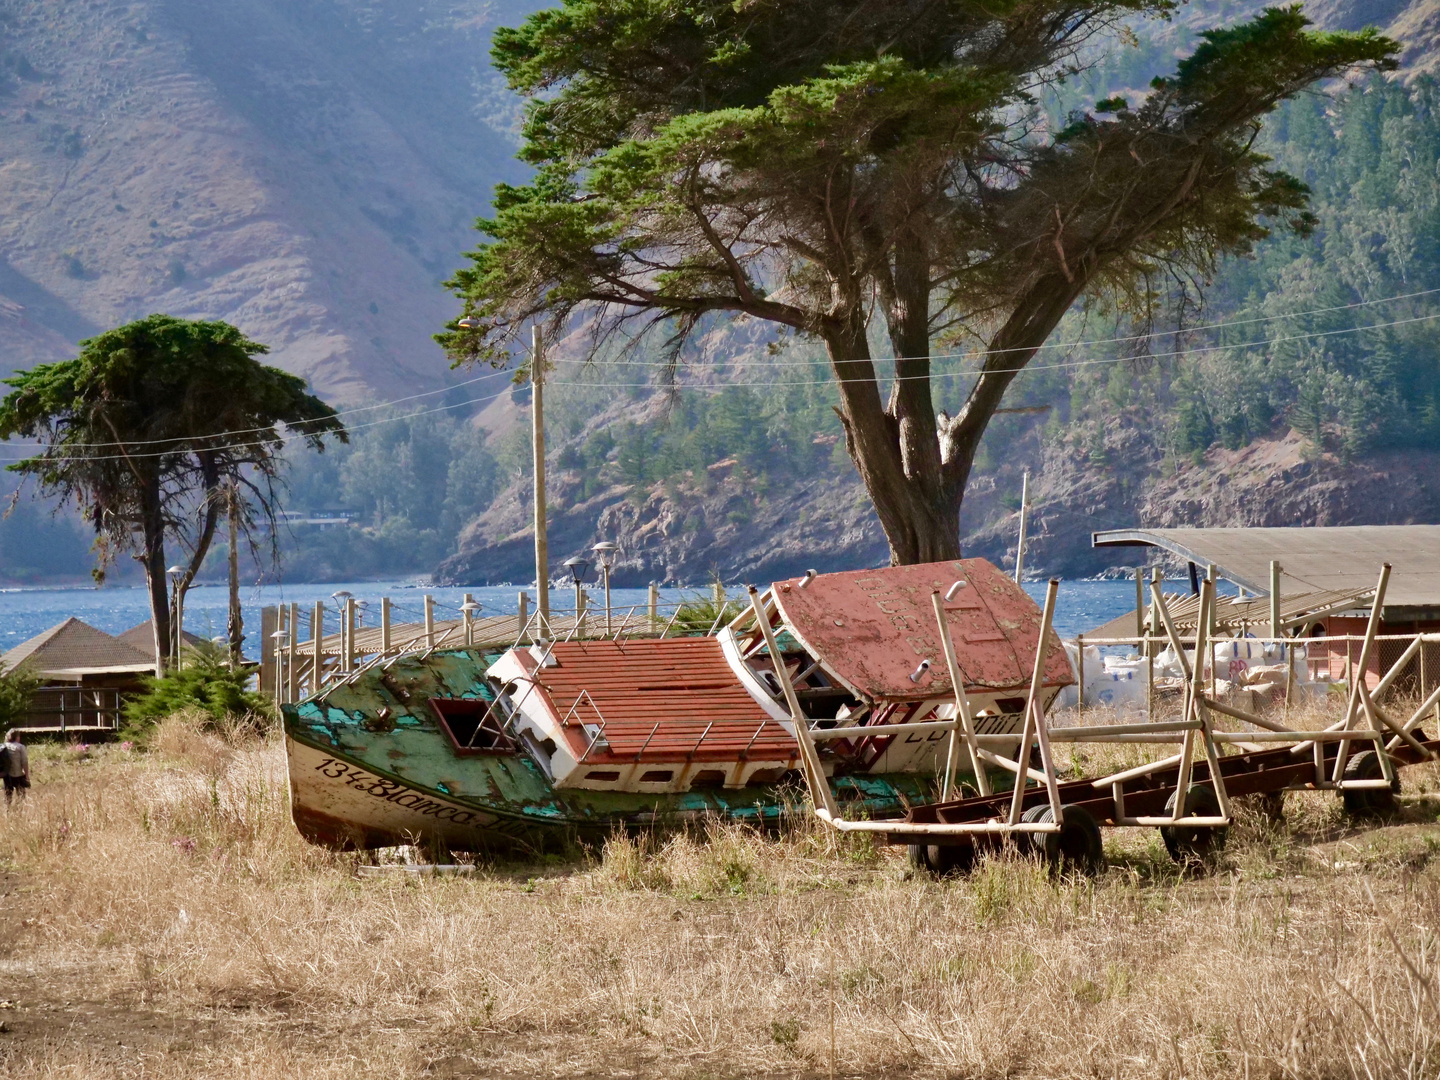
column 268, row 619
column 317, row 640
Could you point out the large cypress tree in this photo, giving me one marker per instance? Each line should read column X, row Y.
column 822, row 163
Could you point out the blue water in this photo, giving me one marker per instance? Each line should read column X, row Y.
column 1080, row 606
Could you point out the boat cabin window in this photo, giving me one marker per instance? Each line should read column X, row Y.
column 473, row 725
column 657, row 776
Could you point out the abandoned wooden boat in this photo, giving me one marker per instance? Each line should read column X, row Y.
column 483, row 748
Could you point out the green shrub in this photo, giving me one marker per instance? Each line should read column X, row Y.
column 206, row 683
column 16, row 690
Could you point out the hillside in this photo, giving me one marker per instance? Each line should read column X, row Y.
column 307, row 169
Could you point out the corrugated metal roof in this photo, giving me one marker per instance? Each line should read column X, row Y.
column 871, row 629
column 1232, row 615
column 671, row 699
column 74, row 647
column 1342, row 558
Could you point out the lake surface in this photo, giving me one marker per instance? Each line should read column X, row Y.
column 1081, row 605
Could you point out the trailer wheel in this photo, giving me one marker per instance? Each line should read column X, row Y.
column 1369, row 802
column 1077, row 847
column 940, row 860
column 1188, row 845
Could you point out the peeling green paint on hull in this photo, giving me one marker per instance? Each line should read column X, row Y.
column 357, row 780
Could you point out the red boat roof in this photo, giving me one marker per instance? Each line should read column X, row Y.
column 659, row 700
column 871, row 629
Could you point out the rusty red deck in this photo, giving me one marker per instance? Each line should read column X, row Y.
column 669, row 700
column 872, row 629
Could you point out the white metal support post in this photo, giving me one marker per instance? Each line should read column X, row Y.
column 1036, row 729
column 1024, row 513
column 964, row 723
column 809, row 757
column 1359, row 696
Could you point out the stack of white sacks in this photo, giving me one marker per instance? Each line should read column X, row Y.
column 1251, row 673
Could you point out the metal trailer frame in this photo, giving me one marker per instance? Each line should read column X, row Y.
column 1155, row 794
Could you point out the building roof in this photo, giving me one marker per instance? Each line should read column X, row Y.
column 1344, row 558
column 1234, row 615
column 142, row 637
column 76, row 648
column 871, row 629
column 658, row 700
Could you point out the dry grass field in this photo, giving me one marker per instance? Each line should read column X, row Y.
column 159, row 917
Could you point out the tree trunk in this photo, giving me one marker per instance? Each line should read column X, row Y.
column 915, row 465
column 210, row 518
column 152, row 525
column 235, row 622
column 920, row 516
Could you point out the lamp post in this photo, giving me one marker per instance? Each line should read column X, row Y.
column 281, row 639
column 177, row 605
column 467, row 613
column 342, row 600
column 577, row 567
column 537, row 440
column 605, row 554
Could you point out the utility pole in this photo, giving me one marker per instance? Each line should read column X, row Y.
column 1024, row 507
column 537, row 422
column 235, row 623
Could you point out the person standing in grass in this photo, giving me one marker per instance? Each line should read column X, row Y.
column 14, row 765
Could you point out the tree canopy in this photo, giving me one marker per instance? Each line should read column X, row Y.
column 823, row 164
column 145, row 425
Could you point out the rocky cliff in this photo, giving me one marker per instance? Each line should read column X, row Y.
column 726, row 524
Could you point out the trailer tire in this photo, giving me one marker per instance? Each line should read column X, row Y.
column 1369, row 802
column 1027, row 843
column 1077, row 847
column 941, row 860
column 1189, row 845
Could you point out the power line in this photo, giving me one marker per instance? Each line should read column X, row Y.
column 1063, row 365
column 972, row 353
column 798, row 363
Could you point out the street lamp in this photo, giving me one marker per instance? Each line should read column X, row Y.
column 467, row 612
column 281, row 639
column 577, row 567
column 177, row 605
column 605, row 553
column 342, row 598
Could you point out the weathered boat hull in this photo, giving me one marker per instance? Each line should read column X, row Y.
column 369, row 767
column 343, row 802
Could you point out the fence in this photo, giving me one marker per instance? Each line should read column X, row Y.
column 73, row 709
column 301, row 654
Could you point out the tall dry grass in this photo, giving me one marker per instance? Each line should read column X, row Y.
column 168, row 889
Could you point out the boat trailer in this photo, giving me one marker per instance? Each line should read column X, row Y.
column 1187, row 795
